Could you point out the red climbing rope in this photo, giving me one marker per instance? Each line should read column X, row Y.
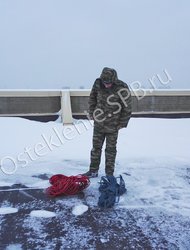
column 67, row 185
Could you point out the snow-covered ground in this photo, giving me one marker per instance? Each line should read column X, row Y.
column 153, row 154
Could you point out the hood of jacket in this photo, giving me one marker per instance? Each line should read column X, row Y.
column 109, row 75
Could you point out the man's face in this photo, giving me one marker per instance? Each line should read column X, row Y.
column 107, row 84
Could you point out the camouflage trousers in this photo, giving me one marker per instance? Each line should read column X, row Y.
column 99, row 137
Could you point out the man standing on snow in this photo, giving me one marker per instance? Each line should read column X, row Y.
column 110, row 108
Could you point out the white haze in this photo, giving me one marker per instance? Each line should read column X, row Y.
column 56, row 44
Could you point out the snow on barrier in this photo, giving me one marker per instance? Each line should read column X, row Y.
column 46, row 105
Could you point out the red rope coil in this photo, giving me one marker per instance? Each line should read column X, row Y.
column 68, row 185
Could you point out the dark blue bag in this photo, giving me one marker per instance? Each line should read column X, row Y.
column 110, row 191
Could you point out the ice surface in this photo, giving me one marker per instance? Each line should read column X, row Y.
column 14, row 247
column 5, row 183
column 42, row 214
column 79, row 209
column 154, row 154
column 8, row 210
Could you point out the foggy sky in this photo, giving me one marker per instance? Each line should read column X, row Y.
column 59, row 43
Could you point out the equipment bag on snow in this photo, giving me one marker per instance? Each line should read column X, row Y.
column 110, row 190
column 67, row 185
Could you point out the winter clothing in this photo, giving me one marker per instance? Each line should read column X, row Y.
column 99, row 137
column 91, row 174
column 110, row 108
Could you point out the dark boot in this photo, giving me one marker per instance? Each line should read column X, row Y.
column 91, row 174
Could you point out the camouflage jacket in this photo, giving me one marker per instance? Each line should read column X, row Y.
column 110, row 108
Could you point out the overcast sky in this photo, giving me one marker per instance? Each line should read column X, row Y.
column 59, row 43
